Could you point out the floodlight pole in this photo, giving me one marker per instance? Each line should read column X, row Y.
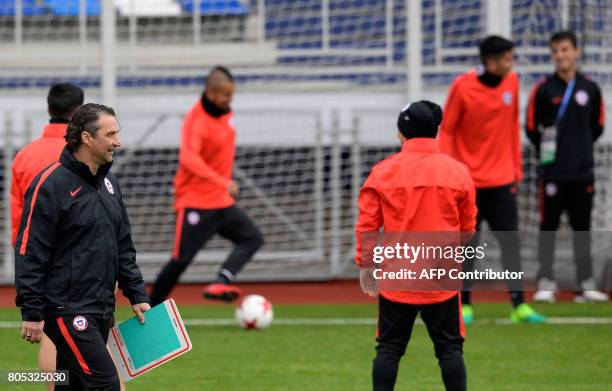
column 414, row 44
column 499, row 17
column 109, row 40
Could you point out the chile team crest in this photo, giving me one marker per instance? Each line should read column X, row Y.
column 193, row 217
column 507, row 98
column 582, row 98
column 109, row 186
column 80, row 323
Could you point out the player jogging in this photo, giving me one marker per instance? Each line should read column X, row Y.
column 417, row 190
column 565, row 116
column 204, row 192
column 481, row 129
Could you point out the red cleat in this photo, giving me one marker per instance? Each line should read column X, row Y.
column 222, row 292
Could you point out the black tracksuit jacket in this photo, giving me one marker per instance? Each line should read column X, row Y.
column 581, row 125
column 74, row 244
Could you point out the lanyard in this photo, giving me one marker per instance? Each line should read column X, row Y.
column 566, row 98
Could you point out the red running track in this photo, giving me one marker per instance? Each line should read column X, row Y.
column 332, row 292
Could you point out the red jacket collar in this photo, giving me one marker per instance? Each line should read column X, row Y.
column 54, row 131
column 422, row 145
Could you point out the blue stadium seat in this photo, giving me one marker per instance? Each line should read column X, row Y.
column 30, row 8
column 71, row 7
column 216, row 7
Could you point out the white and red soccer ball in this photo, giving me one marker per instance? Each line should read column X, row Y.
column 254, row 312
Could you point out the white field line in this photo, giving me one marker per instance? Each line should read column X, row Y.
column 355, row 322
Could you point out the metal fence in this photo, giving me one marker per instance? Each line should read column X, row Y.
column 300, row 189
column 313, row 71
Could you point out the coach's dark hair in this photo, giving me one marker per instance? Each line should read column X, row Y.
column 85, row 120
column 63, row 100
column 565, row 35
column 493, row 46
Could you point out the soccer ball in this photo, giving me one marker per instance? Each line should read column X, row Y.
column 254, row 312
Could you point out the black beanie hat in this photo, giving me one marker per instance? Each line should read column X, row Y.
column 420, row 119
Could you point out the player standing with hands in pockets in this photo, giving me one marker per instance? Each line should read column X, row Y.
column 481, row 129
column 74, row 244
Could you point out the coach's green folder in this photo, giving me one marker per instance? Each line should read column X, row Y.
column 138, row 348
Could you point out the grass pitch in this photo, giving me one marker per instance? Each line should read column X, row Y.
column 309, row 353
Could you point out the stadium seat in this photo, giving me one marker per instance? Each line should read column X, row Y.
column 148, row 8
column 71, row 7
column 216, row 7
column 30, row 8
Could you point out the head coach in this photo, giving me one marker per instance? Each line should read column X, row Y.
column 73, row 246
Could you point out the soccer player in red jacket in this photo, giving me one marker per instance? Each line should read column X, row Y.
column 481, row 129
column 416, row 190
column 205, row 191
column 63, row 100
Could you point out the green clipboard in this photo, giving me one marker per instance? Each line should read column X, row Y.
column 138, row 348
